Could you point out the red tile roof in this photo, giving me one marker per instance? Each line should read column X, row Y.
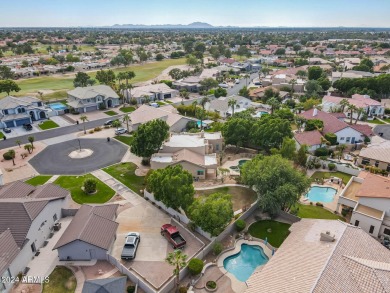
column 331, row 123
column 308, row 138
column 363, row 129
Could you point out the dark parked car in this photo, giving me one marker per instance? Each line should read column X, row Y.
column 7, row 130
column 131, row 244
column 27, row 127
column 108, row 122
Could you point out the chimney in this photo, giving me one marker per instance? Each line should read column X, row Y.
column 315, row 112
column 326, row 237
column 366, row 96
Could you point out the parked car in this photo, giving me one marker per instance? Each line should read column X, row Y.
column 223, row 85
column 27, row 127
column 108, row 122
column 131, row 244
column 172, row 234
column 120, row 131
column 155, row 105
column 7, row 130
column 237, row 81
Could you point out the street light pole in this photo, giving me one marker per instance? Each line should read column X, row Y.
column 79, row 144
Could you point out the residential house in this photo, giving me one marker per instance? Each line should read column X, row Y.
column 105, row 285
column 372, row 108
column 91, row 98
column 242, row 66
column 154, row 92
column 90, row 235
column 336, row 75
column 221, row 105
column 312, row 139
column 346, row 134
column 376, row 154
column 369, row 198
column 283, row 80
column 258, row 93
column 168, row 113
column 27, row 217
column 191, row 84
column 24, row 110
column 196, row 153
column 324, row 256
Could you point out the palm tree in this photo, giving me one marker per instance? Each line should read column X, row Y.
column 31, row 139
column 184, row 94
column 116, row 123
column 11, row 153
column 359, row 112
column 177, row 259
column 18, row 142
column 129, row 75
column 351, row 108
column 232, row 103
column 84, row 118
column 246, row 76
column 274, row 103
column 292, row 82
column 203, row 101
column 340, row 148
column 344, row 103
column 126, row 119
column 28, row 148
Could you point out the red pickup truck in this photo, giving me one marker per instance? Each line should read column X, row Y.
column 173, row 236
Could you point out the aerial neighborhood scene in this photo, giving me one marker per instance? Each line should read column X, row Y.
column 194, row 146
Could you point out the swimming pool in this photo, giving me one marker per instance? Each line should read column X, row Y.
column 58, row 106
column 243, row 264
column 321, row 194
column 261, row 113
column 242, row 162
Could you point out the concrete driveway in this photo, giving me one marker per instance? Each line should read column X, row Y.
column 19, row 131
column 147, row 220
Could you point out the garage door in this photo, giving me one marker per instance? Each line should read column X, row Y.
column 9, row 124
column 89, row 109
column 23, row 121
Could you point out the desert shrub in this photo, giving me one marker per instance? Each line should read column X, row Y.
column 321, row 152
column 240, row 225
column 145, row 162
column 217, row 248
column 195, row 266
column 91, row 131
column 7, row 156
column 130, row 289
column 331, row 166
column 90, row 185
column 97, row 128
column 183, row 289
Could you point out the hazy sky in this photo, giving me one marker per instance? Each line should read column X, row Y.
column 296, row 13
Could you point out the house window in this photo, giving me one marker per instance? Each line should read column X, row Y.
column 371, row 229
column 55, row 217
column 386, row 231
column 357, row 223
column 5, row 112
column 200, row 172
column 341, row 138
column 348, row 139
column 217, row 148
column 376, row 163
column 365, row 161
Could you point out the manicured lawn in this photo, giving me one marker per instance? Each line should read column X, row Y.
column 376, row 121
column 125, row 139
column 168, row 101
column 125, row 173
column 48, row 125
column 127, row 109
column 74, row 183
column 319, row 175
column 314, row 212
column 143, row 72
column 111, row 113
column 161, row 103
column 275, row 232
column 241, row 196
column 38, row 180
column 1, row 135
column 62, row 280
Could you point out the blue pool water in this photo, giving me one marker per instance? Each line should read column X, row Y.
column 243, row 264
column 321, row 194
column 260, row 113
column 242, row 162
column 57, row 106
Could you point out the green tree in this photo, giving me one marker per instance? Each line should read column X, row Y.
column 6, row 73
column 7, row 86
column 280, row 51
column 184, row 94
column 244, row 92
column 106, row 77
column 301, row 73
column 278, row 184
column 31, row 140
column 313, row 88
column 149, row 137
column 236, row 131
column 269, row 132
column 274, row 103
column 208, row 83
column 18, row 142
column 232, row 103
column 159, row 57
column 116, row 123
column 285, row 113
column 84, row 118
column 11, row 154
column 324, row 82
column 172, row 186
column 287, row 149
column 351, row 109
column 82, row 80
column 212, row 213
column 220, row 92
column 126, row 119
column 90, row 185
column 192, row 60
column 301, row 157
column 177, row 259
column 340, row 149
column 314, row 72
column 175, row 73
column 314, row 124
column 28, row 148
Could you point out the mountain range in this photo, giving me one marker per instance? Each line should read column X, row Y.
column 191, row 25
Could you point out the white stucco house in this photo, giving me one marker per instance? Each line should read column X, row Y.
column 221, row 105
column 154, row 92
column 27, row 217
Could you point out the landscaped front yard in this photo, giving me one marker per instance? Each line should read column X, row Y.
column 241, row 196
column 315, row 212
column 275, row 232
column 125, row 139
column 110, row 113
column 47, row 125
column 127, row 109
column 319, row 175
column 38, row 180
column 75, row 183
column 61, row 280
column 125, row 173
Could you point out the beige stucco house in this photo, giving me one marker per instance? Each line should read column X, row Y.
column 376, row 154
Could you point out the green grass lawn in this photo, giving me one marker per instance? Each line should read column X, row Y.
column 110, row 113
column 55, row 96
column 125, row 173
column 168, row 101
column 1, row 135
column 318, row 175
column 161, row 103
column 375, row 121
column 127, row 109
column 74, row 183
column 62, row 280
column 143, row 72
column 241, row 196
column 48, row 125
column 125, row 139
column 38, row 180
column 276, row 236
column 314, row 212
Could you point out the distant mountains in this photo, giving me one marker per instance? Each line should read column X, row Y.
column 191, row 25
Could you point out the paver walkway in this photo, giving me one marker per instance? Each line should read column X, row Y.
column 52, row 179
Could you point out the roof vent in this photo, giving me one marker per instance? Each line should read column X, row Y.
column 327, row 237
column 315, row 112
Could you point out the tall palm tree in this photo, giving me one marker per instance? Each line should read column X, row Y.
column 232, row 103
column 340, row 148
column 274, row 103
column 28, row 148
column 203, row 101
column 344, row 103
column 184, row 94
column 128, row 75
column 359, row 112
column 18, row 142
column 292, row 82
column 12, row 155
column 351, row 108
column 31, row 139
column 126, row 119
column 84, row 119
column 177, row 259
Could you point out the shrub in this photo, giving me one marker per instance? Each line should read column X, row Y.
column 344, row 212
column 183, row 289
column 102, row 106
column 331, row 166
column 130, row 289
column 145, row 162
column 7, row 156
column 195, row 266
column 106, row 126
column 311, row 203
column 318, row 204
column 211, row 285
column 331, row 137
column 366, row 139
column 91, row 131
column 240, row 225
column 191, row 226
column 317, row 165
column 90, row 185
column 97, row 128
column 217, row 248
column 321, row 152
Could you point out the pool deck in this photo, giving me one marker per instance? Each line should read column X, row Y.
column 232, row 163
column 332, row 206
column 237, row 285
